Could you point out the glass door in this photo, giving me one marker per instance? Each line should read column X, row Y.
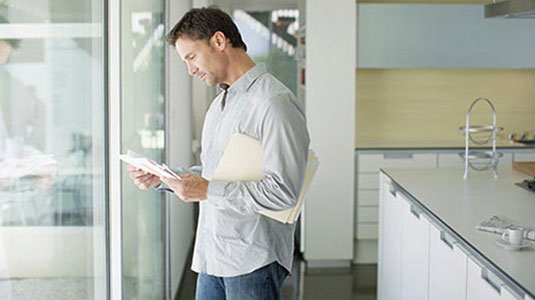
column 52, row 150
column 142, row 131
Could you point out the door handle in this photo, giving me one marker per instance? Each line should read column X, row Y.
column 491, row 280
column 415, row 212
column 397, row 155
column 393, row 190
column 446, row 239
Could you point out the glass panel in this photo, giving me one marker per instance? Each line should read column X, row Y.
column 52, row 187
column 271, row 37
column 142, row 123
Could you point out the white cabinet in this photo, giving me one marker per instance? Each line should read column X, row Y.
column 484, row 285
column 368, row 214
column 418, row 260
column 479, row 286
column 414, row 253
column 447, row 267
column 506, row 295
column 367, row 189
column 389, row 285
column 368, row 198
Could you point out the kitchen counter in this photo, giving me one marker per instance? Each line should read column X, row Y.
column 460, row 205
column 434, row 144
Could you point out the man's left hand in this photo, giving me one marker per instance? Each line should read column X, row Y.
column 191, row 188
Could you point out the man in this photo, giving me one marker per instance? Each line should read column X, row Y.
column 239, row 254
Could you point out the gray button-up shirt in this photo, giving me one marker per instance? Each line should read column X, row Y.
column 232, row 238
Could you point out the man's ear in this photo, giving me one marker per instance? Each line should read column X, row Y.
column 219, row 40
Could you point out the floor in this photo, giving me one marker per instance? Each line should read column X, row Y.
column 358, row 282
column 45, row 289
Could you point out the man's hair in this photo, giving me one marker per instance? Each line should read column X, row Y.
column 202, row 23
column 14, row 43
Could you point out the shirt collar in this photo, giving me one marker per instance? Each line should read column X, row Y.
column 246, row 80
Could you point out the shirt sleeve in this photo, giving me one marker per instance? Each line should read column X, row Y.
column 285, row 141
column 197, row 170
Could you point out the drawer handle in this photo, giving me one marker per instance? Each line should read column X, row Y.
column 491, row 279
column 397, row 155
column 415, row 212
column 393, row 190
column 447, row 239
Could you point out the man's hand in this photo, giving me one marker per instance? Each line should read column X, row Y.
column 191, row 188
column 142, row 179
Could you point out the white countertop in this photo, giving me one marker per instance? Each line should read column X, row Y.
column 461, row 205
column 403, row 143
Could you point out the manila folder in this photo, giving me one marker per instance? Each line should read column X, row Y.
column 243, row 161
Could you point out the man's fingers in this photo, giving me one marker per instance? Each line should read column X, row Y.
column 146, row 181
column 141, row 176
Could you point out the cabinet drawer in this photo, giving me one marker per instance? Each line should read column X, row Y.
column 524, row 157
column 367, row 231
column 479, row 284
column 367, row 197
column 414, row 254
column 368, row 181
column 373, row 162
column 367, row 214
column 390, row 242
column 365, row 252
column 484, row 285
column 447, row 267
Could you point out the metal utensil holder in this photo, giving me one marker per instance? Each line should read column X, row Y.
column 480, row 160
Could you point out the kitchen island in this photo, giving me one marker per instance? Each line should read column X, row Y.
column 427, row 228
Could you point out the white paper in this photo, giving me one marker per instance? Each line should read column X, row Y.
column 148, row 165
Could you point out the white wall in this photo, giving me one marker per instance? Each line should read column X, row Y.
column 179, row 133
column 330, row 108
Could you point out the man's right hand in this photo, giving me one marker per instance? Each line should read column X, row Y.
column 142, row 179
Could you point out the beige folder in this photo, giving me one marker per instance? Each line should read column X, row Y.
column 243, row 161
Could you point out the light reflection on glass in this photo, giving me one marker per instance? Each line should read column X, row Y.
column 52, row 203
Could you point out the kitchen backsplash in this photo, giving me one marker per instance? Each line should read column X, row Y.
column 424, row 107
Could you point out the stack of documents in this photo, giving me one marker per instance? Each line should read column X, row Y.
column 148, row 165
column 243, row 161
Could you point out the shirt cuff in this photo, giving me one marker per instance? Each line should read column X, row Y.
column 216, row 189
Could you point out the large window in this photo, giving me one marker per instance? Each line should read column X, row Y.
column 52, row 150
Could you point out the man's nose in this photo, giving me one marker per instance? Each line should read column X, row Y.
column 192, row 70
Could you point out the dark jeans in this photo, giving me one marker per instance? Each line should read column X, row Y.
column 262, row 284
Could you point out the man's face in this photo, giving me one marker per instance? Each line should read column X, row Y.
column 203, row 59
column 5, row 51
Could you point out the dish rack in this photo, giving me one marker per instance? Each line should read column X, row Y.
column 480, row 159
